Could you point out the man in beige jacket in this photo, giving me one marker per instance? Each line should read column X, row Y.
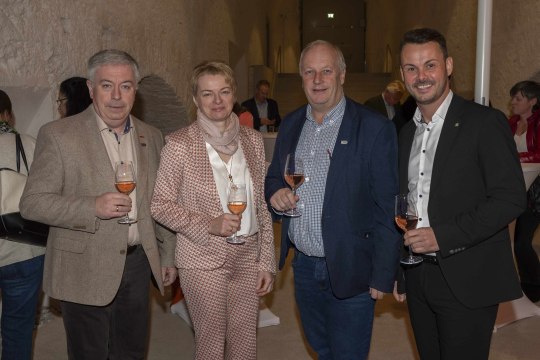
column 98, row 268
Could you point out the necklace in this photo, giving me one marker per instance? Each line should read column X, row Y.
column 229, row 168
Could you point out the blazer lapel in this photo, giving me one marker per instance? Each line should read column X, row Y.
column 204, row 167
column 100, row 158
column 141, row 140
column 339, row 156
column 450, row 130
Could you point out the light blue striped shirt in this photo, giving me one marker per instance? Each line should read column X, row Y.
column 315, row 148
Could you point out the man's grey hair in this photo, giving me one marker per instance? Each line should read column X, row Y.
column 112, row 57
column 340, row 57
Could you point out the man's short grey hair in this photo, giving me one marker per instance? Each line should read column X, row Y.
column 112, row 57
column 340, row 57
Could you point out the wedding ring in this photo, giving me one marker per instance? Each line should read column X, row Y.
column 117, row 209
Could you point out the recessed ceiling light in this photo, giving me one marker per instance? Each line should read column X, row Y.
column 330, row 15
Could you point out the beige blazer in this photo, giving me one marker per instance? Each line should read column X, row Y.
column 186, row 199
column 85, row 255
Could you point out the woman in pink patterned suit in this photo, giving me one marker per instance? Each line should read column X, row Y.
column 221, row 282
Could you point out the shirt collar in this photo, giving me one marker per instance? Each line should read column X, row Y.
column 102, row 126
column 330, row 116
column 440, row 113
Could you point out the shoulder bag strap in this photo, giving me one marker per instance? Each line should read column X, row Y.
column 20, row 153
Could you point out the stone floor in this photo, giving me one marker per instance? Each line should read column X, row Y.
column 172, row 339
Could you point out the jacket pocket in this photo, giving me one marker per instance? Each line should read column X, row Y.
column 70, row 245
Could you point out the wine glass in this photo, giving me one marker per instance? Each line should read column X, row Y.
column 406, row 218
column 125, row 183
column 294, row 176
column 236, row 202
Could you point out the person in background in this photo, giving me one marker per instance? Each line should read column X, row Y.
column 525, row 125
column 21, row 265
column 458, row 162
column 264, row 110
column 73, row 97
column 99, row 269
column 244, row 116
column 388, row 103
column 346, row 246
column 222, row 282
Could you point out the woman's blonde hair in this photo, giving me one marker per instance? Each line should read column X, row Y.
column 212, row 68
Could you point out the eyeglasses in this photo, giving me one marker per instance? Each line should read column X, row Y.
column 59, row 101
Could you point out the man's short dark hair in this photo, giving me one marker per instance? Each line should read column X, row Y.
column 261, row 83
column 423, row 36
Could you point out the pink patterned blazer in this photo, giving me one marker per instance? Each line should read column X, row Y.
column 186, row 199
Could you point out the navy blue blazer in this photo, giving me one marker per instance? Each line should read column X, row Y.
column 273, row 112
column 361, row 242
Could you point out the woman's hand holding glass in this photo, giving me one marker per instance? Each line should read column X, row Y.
column 225, row 225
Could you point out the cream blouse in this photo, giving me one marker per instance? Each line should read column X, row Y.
column 237, row 167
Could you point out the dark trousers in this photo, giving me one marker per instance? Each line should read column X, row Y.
column 119, row 330
column 526, row 257
column 337, row 329
column 20, row 283
column 444, row 328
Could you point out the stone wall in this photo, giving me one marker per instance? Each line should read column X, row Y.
column 515, row 39
column 45, row 41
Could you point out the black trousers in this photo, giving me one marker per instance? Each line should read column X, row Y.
column 526, row 257
column 444, row 328
column 119, row 330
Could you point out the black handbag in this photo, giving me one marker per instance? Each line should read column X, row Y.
column 13, row 226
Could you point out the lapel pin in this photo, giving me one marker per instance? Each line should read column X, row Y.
column 344, row 142
column 456, row 125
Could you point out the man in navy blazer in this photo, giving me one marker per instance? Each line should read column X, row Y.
column 345, row 242
column 264, row 110
column 459, row 164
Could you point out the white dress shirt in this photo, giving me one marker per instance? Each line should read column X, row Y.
column 424, row 147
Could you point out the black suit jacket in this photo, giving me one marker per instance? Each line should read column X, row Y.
column 477, row 189
column 273, row 112
column 360, row 240
column 377, row 103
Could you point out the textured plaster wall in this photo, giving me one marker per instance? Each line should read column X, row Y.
column 45, row 41
column 515, row 38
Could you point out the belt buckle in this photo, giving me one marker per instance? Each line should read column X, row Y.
column 430, row 259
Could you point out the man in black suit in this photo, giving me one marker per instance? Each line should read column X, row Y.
column 388, row 103
column 458, row 163
column 264, row 110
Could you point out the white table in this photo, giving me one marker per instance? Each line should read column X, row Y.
column 521, row 308
column 269, row 139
